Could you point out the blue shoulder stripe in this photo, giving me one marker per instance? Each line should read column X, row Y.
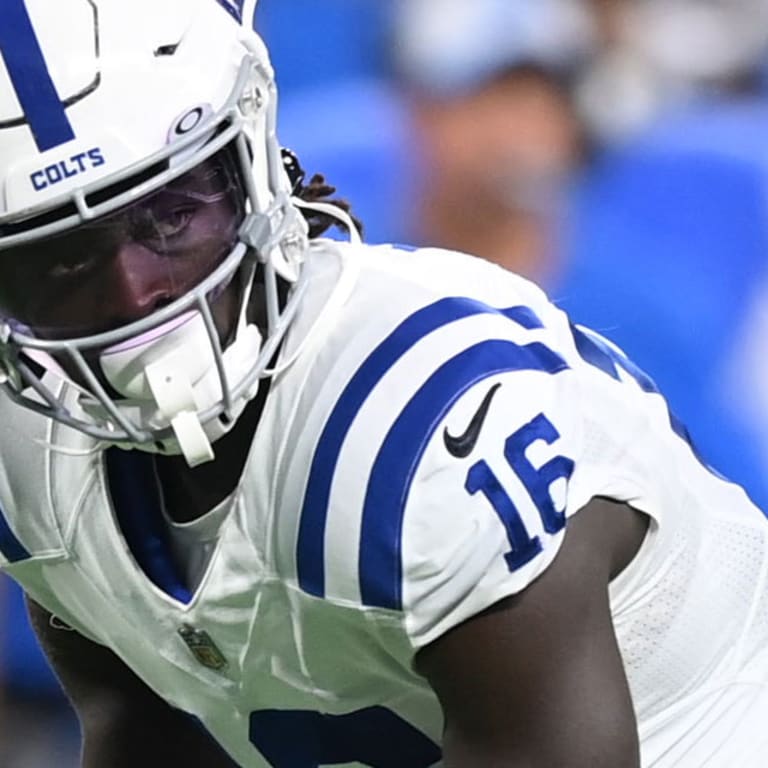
column 31, row 80
column 13, row 550
column 393, row 471
column 310, row 549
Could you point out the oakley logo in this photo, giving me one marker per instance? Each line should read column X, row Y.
column 462, row 445
column 189, row 121
column 66, row 169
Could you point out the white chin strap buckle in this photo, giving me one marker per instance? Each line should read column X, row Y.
column 175, row 400
column 169, row 376
column 162, row 366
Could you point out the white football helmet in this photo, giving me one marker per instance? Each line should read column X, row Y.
column 105, row 105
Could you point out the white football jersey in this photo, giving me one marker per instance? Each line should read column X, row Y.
column 415, row 464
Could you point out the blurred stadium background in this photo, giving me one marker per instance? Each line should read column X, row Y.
column 615, row 150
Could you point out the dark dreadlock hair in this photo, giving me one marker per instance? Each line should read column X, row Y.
column 317, row 190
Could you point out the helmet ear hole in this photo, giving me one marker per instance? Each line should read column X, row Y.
column 166, row 50
column 292, row 166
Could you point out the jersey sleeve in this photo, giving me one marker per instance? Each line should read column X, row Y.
column 439, row 483
column 487, row 506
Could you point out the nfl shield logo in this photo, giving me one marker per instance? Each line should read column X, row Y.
column 203, row 648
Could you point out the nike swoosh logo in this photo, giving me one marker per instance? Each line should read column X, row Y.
column 462, row 445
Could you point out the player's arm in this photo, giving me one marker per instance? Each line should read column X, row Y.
column 537, row 680
column 124, row 724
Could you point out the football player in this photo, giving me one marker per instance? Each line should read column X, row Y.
column 279, row 500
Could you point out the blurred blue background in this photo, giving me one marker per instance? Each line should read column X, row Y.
column 585, row 144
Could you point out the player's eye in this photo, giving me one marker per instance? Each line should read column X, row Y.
column 160, row 226
column 174, row 221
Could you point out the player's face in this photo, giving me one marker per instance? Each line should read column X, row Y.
column 118, row 269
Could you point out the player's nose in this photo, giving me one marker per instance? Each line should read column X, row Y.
column 140, row 281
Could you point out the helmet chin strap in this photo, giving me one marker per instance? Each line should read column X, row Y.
column 172, row 370
column 175, row 398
